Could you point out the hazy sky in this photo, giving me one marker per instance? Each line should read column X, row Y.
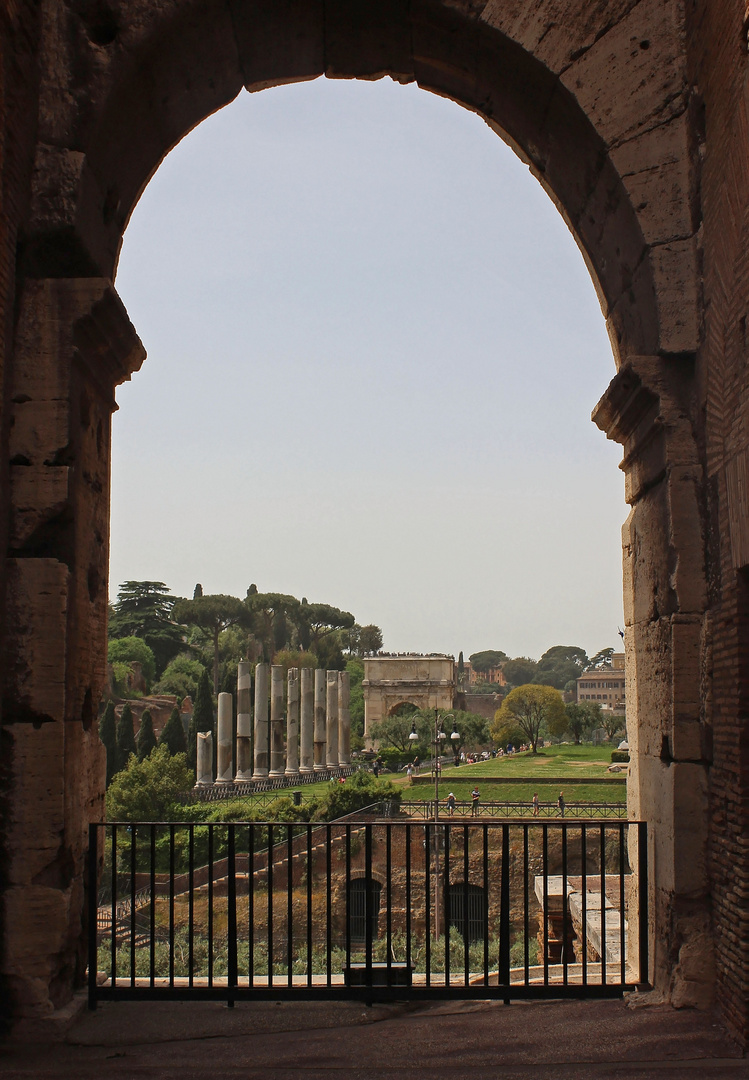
column 373, row 350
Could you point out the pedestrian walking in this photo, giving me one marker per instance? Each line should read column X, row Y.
column 475, row 797
column 535, row 804
column 410, row 773
column 451, row 804
column 560, row 803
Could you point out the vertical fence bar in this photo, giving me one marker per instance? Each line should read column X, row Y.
column 328, row 913
column 603, row 905
column 485, row 832
column 251, row 904
column 442, row 831
column 231, row 916
column 427, row 905
column 565, row 915
column 466, row 912
column 642, row 896
column 270, row 903
column 584, row 868
column 93, row 913
column 348, row 897
column 210, row 905
column 622, row 938
column 133, row 863
column 152, row 921
column 171, row 905
column 191, row 907
column 526, row 913
column 409, row 925
column 309, row 905
column 369, row 905
column 504, row 915
column 545, row 872
column 389, row 897
column 113, row 918
column 289, row 905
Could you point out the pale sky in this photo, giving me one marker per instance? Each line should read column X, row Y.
column 373, row 350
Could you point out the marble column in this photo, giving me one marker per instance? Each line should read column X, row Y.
column 319, row 728
column 244, row 724
column 331, row 708
column 261, row 722
column 292, row 722
column 224, row 771
column 276, row 721
column 344, row 718
column 205, row 759
column 307, row 719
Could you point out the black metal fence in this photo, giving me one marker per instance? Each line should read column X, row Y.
column 424, row 808
column 386, row 909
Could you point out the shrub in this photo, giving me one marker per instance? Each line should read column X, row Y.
column 148, row 790
column 125, row 650
column 620, row 755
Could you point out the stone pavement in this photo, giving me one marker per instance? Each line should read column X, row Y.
column 593, row 1040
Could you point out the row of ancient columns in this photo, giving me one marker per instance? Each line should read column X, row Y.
column 316, row 717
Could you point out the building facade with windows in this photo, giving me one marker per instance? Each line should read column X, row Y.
column 604, row 685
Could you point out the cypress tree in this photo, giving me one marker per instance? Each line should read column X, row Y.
column 173, row 734
column 146, row 739
column 108, row 735
column 202, row 716
column 125, row 737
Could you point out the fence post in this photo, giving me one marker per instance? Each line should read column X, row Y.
column 642, row 897
column 504, row 915
column 231, row 918
column 93, row 912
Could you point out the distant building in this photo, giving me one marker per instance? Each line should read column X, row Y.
column 493, row 675
column 604, row 685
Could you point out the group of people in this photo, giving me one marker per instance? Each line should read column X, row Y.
column 560, row 804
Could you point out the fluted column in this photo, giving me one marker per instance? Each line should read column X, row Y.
column 261, row 722
column 224, row 762
column 292, row 722
column 344, row 718
column 307, row 721
column 276, row 721
column 244, row 724
column 319, row 728
column 331, row 708
column 205, row 759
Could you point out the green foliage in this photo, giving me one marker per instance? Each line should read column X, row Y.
column 559, row 665
column 212, row 615
column 395, row 730
column 330, row 654
column 125, row 737
column 360, row 790
column 370, row 640
column 519, row 671
column 144, row 609
column 489, row 658
column 295, row 658
column 602, row 659
column 534, row 709
column 473, row 730
column 148, row 790
column 146, row 739
column 129, row 649
column 173, row 735
column 582, row 718
column 612, row 723
column 108, row 735
column 202, row 716
column 355, row 669
column 619, row 756
column 181, row 677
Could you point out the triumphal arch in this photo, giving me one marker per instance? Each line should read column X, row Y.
column 633, row 116
column 428, row 682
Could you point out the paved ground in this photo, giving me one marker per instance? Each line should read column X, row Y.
column 456, row 1040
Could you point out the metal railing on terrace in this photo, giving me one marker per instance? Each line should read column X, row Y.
column 495, row 809
column 368, row 909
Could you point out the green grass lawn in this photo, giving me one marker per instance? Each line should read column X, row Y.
column 562, row 760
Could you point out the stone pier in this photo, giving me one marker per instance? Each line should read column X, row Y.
column 307, row 721
column 224, row 771
column 331, row 701
column 244, row 724
column 344, row 718
column 292, row 722
column 205, row 759
column 261, row 722
column 277, row 755
column 319, row 728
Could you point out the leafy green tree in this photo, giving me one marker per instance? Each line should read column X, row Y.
column 146, row 740
column 612, row 723
column 212, row 615
column 360, row 790
column 582, row 718
column 394, row 730
column 519, row 671
column 370, row 640
column 108, row 735
column 602, row 659
column 129, row 649
column 329, row 654
column 294, row 658
column 149, row 790
column 473, row 730
column 202, row 716
column 181, row 677
column 173, row 734
column 125, row 736
column 355, row 668
column 560, row 665
column 269, row 611
column 486, row 660
column 144, row 609
column 533, row 709
column 317, row 621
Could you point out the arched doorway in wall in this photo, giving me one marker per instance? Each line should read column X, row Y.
column 169, row 72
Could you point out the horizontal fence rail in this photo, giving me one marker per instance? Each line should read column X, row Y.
column 368, row 909
column 486, row 808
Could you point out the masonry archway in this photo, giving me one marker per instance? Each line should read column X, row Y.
column 118, row 88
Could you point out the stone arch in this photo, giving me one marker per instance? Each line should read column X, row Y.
column 599, row 106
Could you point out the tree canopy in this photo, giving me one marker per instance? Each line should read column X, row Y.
column 144, row 609
column 560, row 665
column 128, row 649
column 582, row 718
column 489, row 658
column 146, row 740
column 212, row 615
column 148, row 790
column 534, row 709
column 173, row 734
column 125, row 736
column 602, row 659
column 519, row 671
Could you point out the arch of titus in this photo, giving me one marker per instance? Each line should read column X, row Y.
column 633, row 116
column 389, row 681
